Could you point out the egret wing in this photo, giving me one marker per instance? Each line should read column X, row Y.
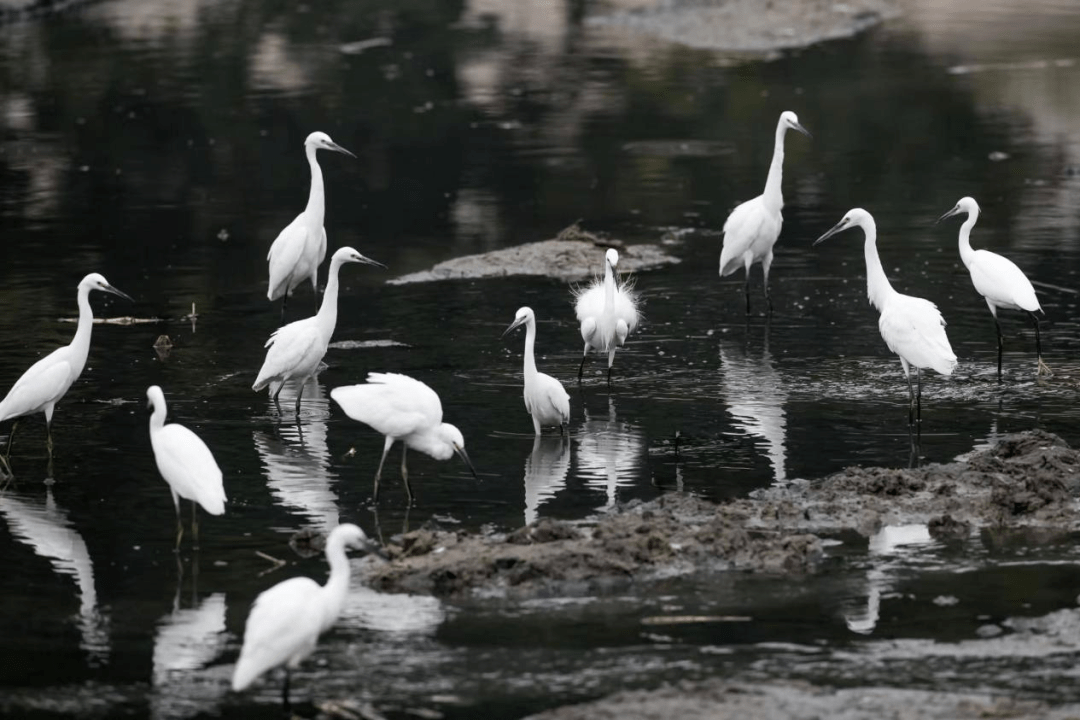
column 741, row 229
column 556, row 398
column 189, row 467
column 284, row 255
column 44, row 382
column 914, row 329
column 590, row 300
column 290, row 348
column 998, row 279
column 392, row 404
column 626, row 307
column 283, row 626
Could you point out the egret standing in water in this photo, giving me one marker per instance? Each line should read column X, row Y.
column 299, row 249
column 285, row 621
column 186, row 464
column 297, row 349
column 752, row 228
column 607, row 311
column 912, row 327
column 545, row 398
column 997, row 279
column 405, row 409
column 48, row 380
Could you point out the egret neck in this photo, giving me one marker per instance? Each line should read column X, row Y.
column 316, row 204
column 337, row 585
column 80, row 344
column 326, row 319
column 530, row 342
column 966, row 253
column 773, row 197
column 878, row 287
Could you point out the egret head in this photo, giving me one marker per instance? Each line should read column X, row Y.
column 94, row 281
column 854, row 217
column 322, row 141
column 523, row 316
column 790, row 121
column 611, row 257
column 155, row 397
column 348, row 255
column 967, row 205
column 351, row 536
column 453, row 437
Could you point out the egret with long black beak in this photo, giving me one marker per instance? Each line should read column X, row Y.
column 545, row 398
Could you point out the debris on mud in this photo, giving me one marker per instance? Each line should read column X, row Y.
column 575, row 254
column 1026, row 480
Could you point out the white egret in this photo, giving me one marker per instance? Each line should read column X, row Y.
column 997, row 279
column 186, row 464
column 285, row 621
column 912, row 327
column 752, row 228
column 48, row 380
column 607, row 311
column 405, row 409
column 297, row 349
column 545, row 398
column 300, row 248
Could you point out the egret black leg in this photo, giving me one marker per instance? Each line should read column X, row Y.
column 179, row 530
column 581, row 368
column 300, row 394
column 284, row 304
column 609, row 376
column 1038, row 348
column 765, row 264
column 405, row 472
column 195, row 524
column 285, row 692
column 378, row 473
column 911, row 400
column 278, row 392
column 1001, row 344
column 746, row 290
column 918, row 398
column 48, row 438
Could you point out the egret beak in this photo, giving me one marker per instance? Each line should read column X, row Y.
column 368, row 261
column 465, row 457
column 513, row 326
column 371, row 548
column 842, row 225
column 955, row 211
column 803, row 130
column 114, row 291
column 337, row 148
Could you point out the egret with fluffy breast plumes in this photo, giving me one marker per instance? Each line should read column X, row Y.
column 752, row 228
column 1001, row 283
column 912, row 327
column 607, row 311
column 296, row 349
column 545, row 398
column 286, row 621
column 48, row 380
column 300, row 248
column 405, row 409
column 186, row 464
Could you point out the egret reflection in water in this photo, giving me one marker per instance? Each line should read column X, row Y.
column 611, row 453
column 886, row 548
column 545, row 472
column 186, row 642
column 296, row 460
column 756, row 396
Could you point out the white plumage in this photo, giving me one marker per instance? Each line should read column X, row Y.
column 607, row 311
column 296, row 349
column 912, row 327
column 753, row 227
column 1001, row 283
column 545, row 398
column 300, row 248
column 48, row 380
column 285, row 621
column 186, row 464
column 405, row 409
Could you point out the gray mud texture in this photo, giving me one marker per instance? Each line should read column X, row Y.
column 575, row 254
column 799, row 701
column 745, row 27
column 1027, row 480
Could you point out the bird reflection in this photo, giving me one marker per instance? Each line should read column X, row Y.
column 545, row 472
column 756, row 397
column 45, row 527
column 611, row 453
column 296, row 460
column 186, row 642
column 887, row 547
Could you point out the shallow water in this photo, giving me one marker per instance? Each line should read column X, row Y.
column 161, row 146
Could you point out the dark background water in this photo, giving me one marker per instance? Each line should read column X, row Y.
column 161, row 145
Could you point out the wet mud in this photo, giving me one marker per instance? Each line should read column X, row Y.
column 1028, row 480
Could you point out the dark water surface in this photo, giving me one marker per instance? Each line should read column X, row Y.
column 161, row 145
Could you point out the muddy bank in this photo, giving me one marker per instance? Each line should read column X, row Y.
column 1026, row 480
column 748, row 27
column 575, row 254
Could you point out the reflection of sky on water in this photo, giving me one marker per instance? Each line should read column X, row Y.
column 545, row 471
column 45, row 527
column 611, row 453
column 296, row 459
column 755, row 396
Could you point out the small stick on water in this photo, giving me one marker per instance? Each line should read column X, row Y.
column 270, row 558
